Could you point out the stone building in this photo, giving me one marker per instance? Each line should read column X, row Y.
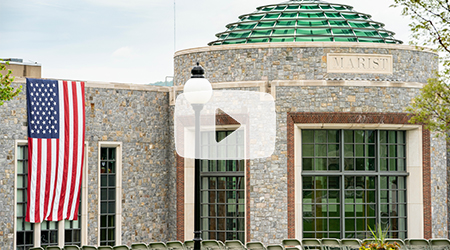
column 345, row 157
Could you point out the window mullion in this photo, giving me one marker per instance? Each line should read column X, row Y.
column 341, row 172
column 377, row 182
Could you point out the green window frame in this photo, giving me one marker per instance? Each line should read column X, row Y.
column 353, row 180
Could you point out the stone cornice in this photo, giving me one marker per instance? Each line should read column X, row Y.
column 110, row 85
column 302, row 45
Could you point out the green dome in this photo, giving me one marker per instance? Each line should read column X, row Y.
column 305, row 21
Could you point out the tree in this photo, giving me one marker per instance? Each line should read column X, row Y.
column 7, row 92
column 431, row 27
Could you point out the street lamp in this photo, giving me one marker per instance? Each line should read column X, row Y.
column 198, row 91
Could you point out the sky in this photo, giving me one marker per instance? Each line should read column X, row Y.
column 132, row 41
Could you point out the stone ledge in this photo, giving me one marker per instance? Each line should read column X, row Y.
column 301, row 45
column 110, row 85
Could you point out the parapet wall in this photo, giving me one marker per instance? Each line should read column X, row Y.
column 308, row 61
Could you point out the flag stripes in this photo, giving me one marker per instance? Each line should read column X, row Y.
column 56, row 119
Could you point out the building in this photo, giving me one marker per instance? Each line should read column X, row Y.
column 346, row 157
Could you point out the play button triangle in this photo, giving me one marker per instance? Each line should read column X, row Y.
column 222, row 118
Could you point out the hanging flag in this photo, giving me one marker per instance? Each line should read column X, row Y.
column 56, row 124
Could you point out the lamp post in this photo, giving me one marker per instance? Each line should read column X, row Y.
column 197, row 91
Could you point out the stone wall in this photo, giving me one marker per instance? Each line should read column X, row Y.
column 137, row 118
column 269, row 222
column 439, row 186
column 298, row 61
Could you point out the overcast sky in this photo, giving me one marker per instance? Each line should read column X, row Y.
column 131, row 41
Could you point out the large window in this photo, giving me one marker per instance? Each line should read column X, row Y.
column 108, row 196
column 46, row 233
column 24, row 230
column 223, row 193
column 353, row 180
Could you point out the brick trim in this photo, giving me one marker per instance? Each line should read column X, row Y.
column 361, row 118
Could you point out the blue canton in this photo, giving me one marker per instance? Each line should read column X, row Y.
column 43, row 108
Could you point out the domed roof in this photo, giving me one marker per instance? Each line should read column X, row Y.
column 305, row 21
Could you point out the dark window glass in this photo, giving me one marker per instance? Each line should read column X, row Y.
column 346, row 203
column 49, row 233
column 107, row 196
column 24, row 230
column 223, row 193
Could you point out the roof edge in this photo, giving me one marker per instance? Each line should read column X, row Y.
column 302, row 45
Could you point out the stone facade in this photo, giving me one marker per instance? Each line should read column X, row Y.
column 141, row 118
column 296, row 75
column 137, row 118
column 298, row 61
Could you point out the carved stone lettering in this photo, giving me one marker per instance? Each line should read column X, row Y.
column 359, row 63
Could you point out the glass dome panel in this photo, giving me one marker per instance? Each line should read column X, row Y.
column 266, row 24
column 261, row 33
column 283, row 32
column 360, row 24
column 345, row 32
column 338, row 23
column 267, row 9
column 351, row 16
column 333, row 15
column 339, row 7
column 292, row 7
column 364, row 33
column 258, row 40
column 239, row 34
column 313, row 31
column 310, row 7
column 310, row 15
column 281, row 39
column 272, row 16
column 246, row 26
column 285, row 24
column 256, row 18
column 305, row 20
column 345, row 39
column 368, row 40
column 289, row 15
column 235, row 41
column 312, row 23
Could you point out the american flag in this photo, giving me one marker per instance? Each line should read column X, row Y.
column 56, row 124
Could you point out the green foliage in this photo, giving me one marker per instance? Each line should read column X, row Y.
column 431, row 27
column 379, row 241
column 379, row 235
column 432, row 106
column 7, row 92
column 430, row 22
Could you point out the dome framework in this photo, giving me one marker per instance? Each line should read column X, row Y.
column 305, row 21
